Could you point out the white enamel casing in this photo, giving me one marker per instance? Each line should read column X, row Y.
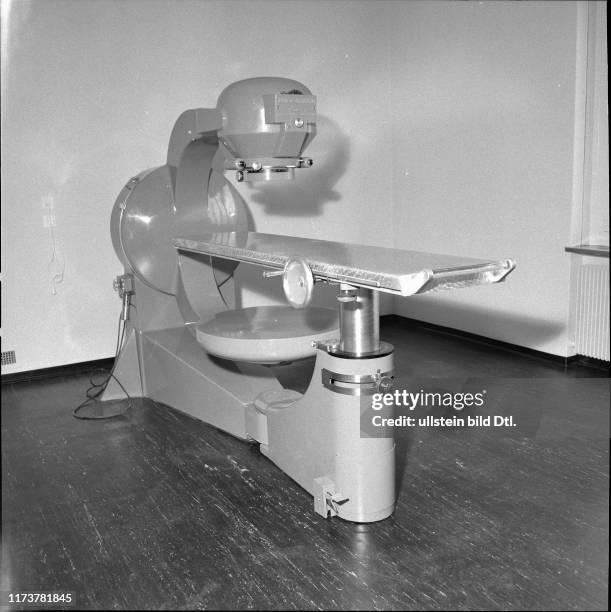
column 266, row 334
column 246, row 133
column 319, row 437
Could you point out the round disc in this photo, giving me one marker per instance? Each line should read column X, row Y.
column 298, row 283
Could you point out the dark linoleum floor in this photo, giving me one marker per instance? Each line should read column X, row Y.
column 155, row 510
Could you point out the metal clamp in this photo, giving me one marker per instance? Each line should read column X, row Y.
column 347, row 295
column 327, row 500
column 267, row 169
column 357, row 384
column 124, row 286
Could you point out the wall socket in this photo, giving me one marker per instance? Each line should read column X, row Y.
column 47, row 203
column 48, row 220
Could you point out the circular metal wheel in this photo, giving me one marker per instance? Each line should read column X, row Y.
column 298, row 282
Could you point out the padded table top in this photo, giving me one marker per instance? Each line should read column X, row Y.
column 394, row 271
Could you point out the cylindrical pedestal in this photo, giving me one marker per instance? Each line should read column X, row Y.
column 323, row 440
column 359, row 322
column 363, row 467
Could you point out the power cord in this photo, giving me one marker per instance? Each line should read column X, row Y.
column 124, row 284
column 97, row 388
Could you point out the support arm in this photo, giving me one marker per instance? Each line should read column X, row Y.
column 191, row 125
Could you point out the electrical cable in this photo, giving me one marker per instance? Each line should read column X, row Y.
column 97, row 388
column 56, row 263
column 219, row 285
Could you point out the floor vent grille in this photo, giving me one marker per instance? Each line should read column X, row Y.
column 8, row 357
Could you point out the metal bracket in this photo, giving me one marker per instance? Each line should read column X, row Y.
column 124, row 286
column 356, row 384
column 267, row 169
column 326, row 500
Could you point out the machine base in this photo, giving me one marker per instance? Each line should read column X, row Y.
column 317, row 441
column 315, row 438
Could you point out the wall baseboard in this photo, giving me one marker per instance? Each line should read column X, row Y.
column 573, row 360
column 106, row 364
column 64, row 370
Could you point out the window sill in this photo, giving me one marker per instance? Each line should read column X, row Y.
column 594, row 250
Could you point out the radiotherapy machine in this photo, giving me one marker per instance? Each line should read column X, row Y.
column 180, row 231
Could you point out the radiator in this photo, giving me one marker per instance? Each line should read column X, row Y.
column 592, row 311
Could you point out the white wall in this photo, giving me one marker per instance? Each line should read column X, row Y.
column 483, row 130
column 444, row 127
column 90, row 91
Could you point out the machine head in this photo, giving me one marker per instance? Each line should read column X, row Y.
column 267, row 122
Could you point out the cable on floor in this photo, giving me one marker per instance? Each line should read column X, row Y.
column 97, row 388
